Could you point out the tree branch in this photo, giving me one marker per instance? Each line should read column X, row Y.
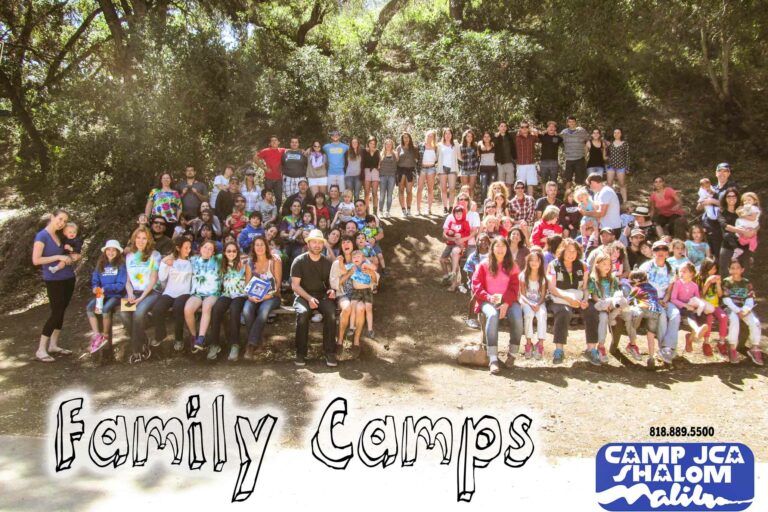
column 67, row 48
column 315, row 19
column 708, row 64
column 76, row 62
column 20, row 111
column 385, row 16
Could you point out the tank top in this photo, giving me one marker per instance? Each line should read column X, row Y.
column 265, row 276
column 406, row 158
column 596, row 155
column 487, row 158
column 387, row 166
column 565, row 280
column 353, row 166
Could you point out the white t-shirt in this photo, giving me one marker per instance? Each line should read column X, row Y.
column 219, row 180
column 612, row 218
column 430, row 157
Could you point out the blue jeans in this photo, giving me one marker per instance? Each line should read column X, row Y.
column 386, row 187
column 355, row 184
column 107, row 309
column 515, row 319
column 134, row 321
column 669, row 326
column 256, row 315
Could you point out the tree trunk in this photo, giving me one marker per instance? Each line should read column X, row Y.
column 22, row 114
column 456, row 8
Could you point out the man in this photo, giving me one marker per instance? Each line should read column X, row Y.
column 336, row 152
column 661, row 276
column 294, row 165
column 549, row 199
column 310, row 282
column 192, row 193
column 226, row 200
column 270, row 160
column 525, row 146
column 302, row 195
column 550, row 144
column 350, row 228
column 607, row 209
column 505, row 154
column 360, row 213
column 163, row 244
column 607, row 244
column 574, row 140
column 711, row 208
column 522, row 207
column 634, row 251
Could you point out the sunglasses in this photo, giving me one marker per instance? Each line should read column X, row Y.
column 158, row 223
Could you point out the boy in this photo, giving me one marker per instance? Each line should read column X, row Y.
column 251, row 231
column 70, row 243
column 739, row 298
column 267, row 206
column 363, row 276
column 371, row 230
column 644, row 305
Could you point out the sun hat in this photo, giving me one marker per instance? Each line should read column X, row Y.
column 315, row 234
column 112, row 244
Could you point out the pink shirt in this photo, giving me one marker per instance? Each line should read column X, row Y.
column 683, row 292
column 498, row 283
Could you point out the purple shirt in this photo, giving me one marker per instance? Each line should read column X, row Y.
column 50, row 248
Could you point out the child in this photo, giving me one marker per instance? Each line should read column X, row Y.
column 477, row 257
column 550, row 252
column 547, row 226
column 456, row 233
column 363, row 276
column 533, row 292
column 182, row 227
column 319, row 207
column 583, row 199
column 644, row 305
column 346, row 209
column 304, row 226
column 70, row 243
column 371, row 230
column 739, row 298
column 569, row 217
column 678, row 257
column 267, row 206
column 236, row 222
column 711, row 291
column 506, row 226
column 252, row 230
column 108, row 282
column 684, row 292
column 142, row 221
column 749, row 215
column 322, row 225
column 707, row 192
column 697, row 247
column 605, row 292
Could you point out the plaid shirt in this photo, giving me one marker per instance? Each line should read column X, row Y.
column 470, row 159
column 524, row 209
column 525, row 149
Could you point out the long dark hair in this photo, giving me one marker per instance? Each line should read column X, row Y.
column 724, row 201
column 252, row 252
column 178, row 246
column 104, row 260
column 354, row 154
column 542, row 271
column 226, row 264
column 411, row 146
column 507, row 264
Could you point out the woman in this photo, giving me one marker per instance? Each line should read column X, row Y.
column 317, row 169
column 495, row 286
column 666, row 209
column 332, row 244
column 205, row 234
column 371, row 160
column 164, row 201
column 266, row 267
column 142, row 263
column 235, row 275
column 595, row 152
column 176, row 276
column 47, row 252
column 568, row 291
column 448, row 156
column 407, row 155
column 488, row 170
column 618, row 162
column 387, row 176
column 206, row 218
column 427, row 165
column 206, row 288
column 251, row 192
column 518, row 247
column 469, row 160
column 727, row 219
column 334, row 200
column 354, row 167
column 343, row 293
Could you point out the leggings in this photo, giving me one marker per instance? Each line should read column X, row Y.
column 235, row 308
column 159, row 310
column 722, row 323
column 59, row 295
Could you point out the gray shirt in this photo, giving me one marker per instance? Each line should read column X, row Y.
column 190, row 203
column 406, row 158
column 387, row 166
column 573, row 142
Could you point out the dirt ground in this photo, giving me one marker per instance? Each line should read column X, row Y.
column 576, row 407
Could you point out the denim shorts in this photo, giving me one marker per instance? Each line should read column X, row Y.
column 596, row 170
column 446, row 170
column 618, row 171
column 428, row 171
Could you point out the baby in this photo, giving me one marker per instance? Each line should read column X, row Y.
column 749, row 215
column 581, row 195
column 71, row 245
column 707, row 192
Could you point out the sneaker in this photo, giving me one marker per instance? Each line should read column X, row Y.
column 213, row 352
column 355, row 351
column 666, row 355
column 234, row 353
column 733, row 356
column 94, row 340
column 370, row 335
column 494, row 368
column 472, row 323
column 317, row 317
column 689, row 342
column 178, row 345
column 594, row 357
column 330, row 361
column 650, row 363
column 199, row 344
column 339, row 350
column 462, row 289
column 447, row 278
column 538, row 352
column 707, row 349
column 634, row 351
column 146, row 353
column 300, row 361
column 134, row 359
column 722, row 347
column 557, row 357
column 602, row 352
column 154, row 342
column 528, row 350
column 249, row 349
column 756, row 356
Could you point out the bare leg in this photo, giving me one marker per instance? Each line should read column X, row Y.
column 359, row 322
column 621, row 178
column 430, row 191
column 444, row 190
column 190, row 308
column 375, row 196
column 401, row 192
column 451, row 189
column 408, row 194
column 205, row 318
column 367, row 191
column 369, row 315
column 420, row 191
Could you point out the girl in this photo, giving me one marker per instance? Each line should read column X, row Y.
column 427, row 165
column 317, row 169
column 518, row 246
column 407, row 156
column 371, row 162
column 352, row 180
column 266, row 266
column 346, row 208
column 387, row 175
column 710, row 286
column 320, row 208
column 678, row 257
column 550, row 251
column 569, row 218
column 684, row 290
column 488, row 170
column 491, row 225
column 322, row 225
column 606, row 297
column 595, row 153
column 235, row 275
column 697, row 247
column 502, row 205
column 332, row 248
column 448, row 156
column 506, row 226
column 618, row 162
column 581, row 195
column 176, row 275
column 206, row 288
column 533, row 292
column 221, row 183
column 108, row 281
column 456, row 234
column 469, row 160
column 250, row 192
column 749, row 215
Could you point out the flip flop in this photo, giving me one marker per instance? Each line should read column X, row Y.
column 61, row 352
column 46, row 359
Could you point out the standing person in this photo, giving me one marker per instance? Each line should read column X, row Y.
column 206, row 288
column 448, row 155
column 221, row 183
column 661, row 276
column 407, row 155
column 387, row 175
column 549, row 199
column 310, row 281
column 496, row 287
column 47, row 252
column 506, row 154
column 142, row 262
column 317, row 169
column 175, row 275
column 371, row 161
column 488, row 170
column 270, row 160
column 294, row 165
column 550, row 144
column 352, row 180
column 533, row 293
column 427, row 165
column 165, row 202
column 192, row 193
column 574, row 138
column 469, row 161
column 235, row 275
column 266, row 266
column 595, row 153
column 607, row 209
column 108, row 282
column 525, row 145
column 711, row 208
column 618, row 162
column 666, row 209
column 336, row 154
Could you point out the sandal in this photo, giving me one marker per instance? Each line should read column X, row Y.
column 46, row 359
column 61, row 352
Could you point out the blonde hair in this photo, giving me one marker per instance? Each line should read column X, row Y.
column 72, row 225
column 580, row 191
column 745, row 195
column 503, row 190
column 348, row 193
column 551, row 212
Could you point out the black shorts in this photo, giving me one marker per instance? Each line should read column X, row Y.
column 364, row 295
column 408, row 172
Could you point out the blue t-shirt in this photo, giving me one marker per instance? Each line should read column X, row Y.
column 52, row 249
column 336, row 153
column 359, row 276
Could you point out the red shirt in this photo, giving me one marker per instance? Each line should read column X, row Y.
column 273, row 158
column 461, row 227
column 542, row 230
column 525, row 149
column 663, row 204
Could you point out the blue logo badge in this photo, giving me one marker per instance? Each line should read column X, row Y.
column 675, row 476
